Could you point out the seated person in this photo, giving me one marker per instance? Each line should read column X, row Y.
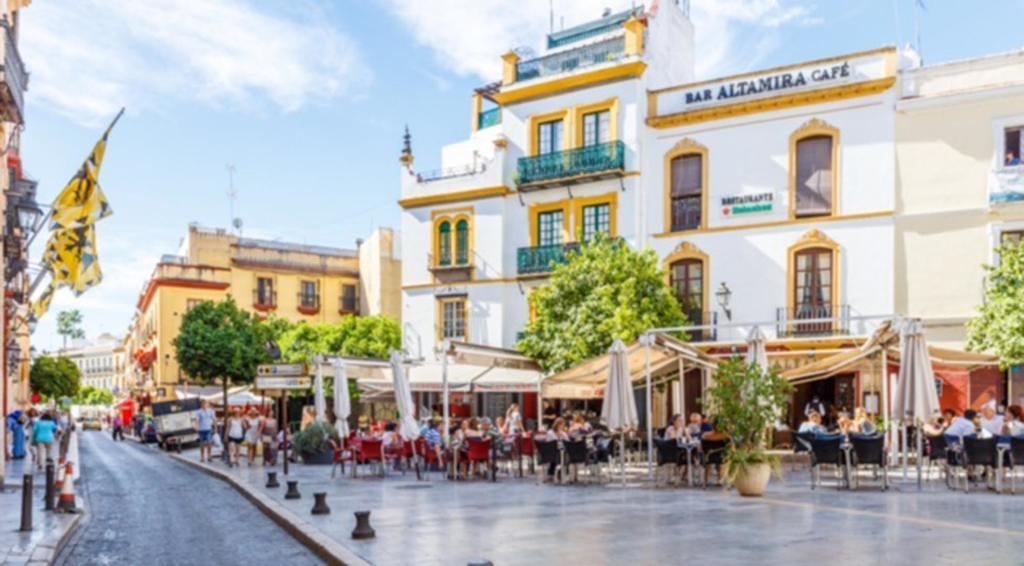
column 579, row 427
column 962, row 426
column 676, row 430
column 812, row 425
column 863, row 423
column 1013, row 424
column 1012, row 160
column 696, row 425
column 990, row 421
column 935, row 427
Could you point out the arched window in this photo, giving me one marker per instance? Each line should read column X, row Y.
column 444, row 243
column 687, row 191
column 462, row 242
column 814, row 176
column 686, row 277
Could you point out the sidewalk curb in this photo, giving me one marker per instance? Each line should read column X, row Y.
column 55, row 547
column 311, row 537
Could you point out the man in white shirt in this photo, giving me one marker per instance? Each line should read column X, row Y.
column 963, row 426
column 990, row 421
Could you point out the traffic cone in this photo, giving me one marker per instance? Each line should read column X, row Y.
column 59, row 484
column 66, row 502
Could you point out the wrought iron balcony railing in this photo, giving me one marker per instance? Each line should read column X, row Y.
column 264, row 299
column 567, row 61
column 589, row 160
column 308, row 302
column 541, row 259
column 489, row 118
column 707, row 320
column 1006, row 185
column 817, row 320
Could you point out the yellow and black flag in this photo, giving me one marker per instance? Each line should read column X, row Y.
column 82, row 201
column 42, row 304
column 73, row 258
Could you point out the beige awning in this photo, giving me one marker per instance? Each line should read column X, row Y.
column 587, row 380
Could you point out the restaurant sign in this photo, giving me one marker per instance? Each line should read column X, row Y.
column 740, row 205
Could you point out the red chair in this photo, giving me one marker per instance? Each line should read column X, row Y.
column 340, row 456
column 372, row 450
column 526, row 449
column 428, row 455
column 479, row 451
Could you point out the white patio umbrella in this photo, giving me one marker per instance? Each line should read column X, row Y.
column 319, row 403
column 916, row 399
column 403, row 399
column 757, row 353
column 342, row 403
column 619, row 409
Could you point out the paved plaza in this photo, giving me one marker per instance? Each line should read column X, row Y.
column 519, row 522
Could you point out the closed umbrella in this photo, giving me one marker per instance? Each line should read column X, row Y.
column 319, row 403
column 757, row 353
column 342, row 403
column 916, row 399
column 619, row 409
column 403, row 399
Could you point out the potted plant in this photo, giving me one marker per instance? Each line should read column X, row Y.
column 314, row 443
column 745, row 401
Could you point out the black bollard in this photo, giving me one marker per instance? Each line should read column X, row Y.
column 481, row 563
column 363, row 529
column 26, row 503
column 272, row 479
column 51, row 492
column 320, row 504
column 293, row 490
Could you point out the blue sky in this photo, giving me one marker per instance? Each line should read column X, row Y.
column 308, row 98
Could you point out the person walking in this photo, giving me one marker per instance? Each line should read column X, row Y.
column 253, row 435
column 236, row 435
column 205, row 419
column 44, row 434
column 117, row 428
column 270, row 440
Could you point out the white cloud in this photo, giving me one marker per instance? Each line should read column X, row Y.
column 89, row 57
column 468, row 38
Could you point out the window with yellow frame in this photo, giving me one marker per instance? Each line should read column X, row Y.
column 453, row 238
column 453, row 318
column 814, row 170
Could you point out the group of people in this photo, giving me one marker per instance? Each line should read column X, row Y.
column 259, row 435
column 35, row 434
column 861, row 423
column 986, row 423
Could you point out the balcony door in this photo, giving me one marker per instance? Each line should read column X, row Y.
column 597, row 128
column 813, row 289
column 597, row 219
column 549, row 136
column 686, row 277
column 550, row 228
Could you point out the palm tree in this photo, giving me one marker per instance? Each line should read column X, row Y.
column 69, row 325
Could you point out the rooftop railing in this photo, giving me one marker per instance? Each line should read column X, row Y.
column 567, row 61
column 587, row 160
column 813, row 320
column 489, row 118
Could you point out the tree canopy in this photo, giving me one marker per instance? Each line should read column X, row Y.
column 69, row 325
column 90, row 395
column 220, row 341
column 605, row 291
column 999, row 326
column 54, row 377
column 357, row 337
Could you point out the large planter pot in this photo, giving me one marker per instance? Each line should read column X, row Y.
column 753, row 481
column 319, row 458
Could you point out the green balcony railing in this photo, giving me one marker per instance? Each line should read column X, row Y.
column 541, row 259
column 489, row 118
column 589, row 160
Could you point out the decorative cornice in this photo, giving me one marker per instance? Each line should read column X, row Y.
column 472, row 194
column 688, row 144
column 814, row 126
column 816, row 237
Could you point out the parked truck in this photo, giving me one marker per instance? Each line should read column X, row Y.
column 175, row 422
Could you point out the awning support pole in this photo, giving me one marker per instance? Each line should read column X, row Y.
column 650, row 425
column 444, row 388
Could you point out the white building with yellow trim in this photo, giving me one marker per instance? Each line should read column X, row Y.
column 779, row 185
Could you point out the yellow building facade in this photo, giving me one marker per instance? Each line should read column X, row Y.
column 299, row 283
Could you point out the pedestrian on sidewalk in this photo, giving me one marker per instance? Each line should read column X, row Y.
column 270, row 440
column 253, row 435
column 205, row 420
column 236, row 435
column 117, row 428
column 44, row 434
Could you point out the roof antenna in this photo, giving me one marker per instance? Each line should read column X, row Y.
column 919, row 7
column 551, row 16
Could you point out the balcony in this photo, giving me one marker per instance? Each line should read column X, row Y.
column 572, row 166
column 264, row 300
column 1006, row 186
column 607, row 51
column 308, row 304
column 489, row 118
column 12, row 95
column 819, row 320
column 538, row 260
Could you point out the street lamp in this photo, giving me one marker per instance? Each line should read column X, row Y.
column 723, row 294
column 29, row 214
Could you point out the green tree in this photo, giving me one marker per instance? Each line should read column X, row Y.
column 54, row 378
column 90, row 395
column 999, row 325
column 354, row 337
column 69, row 325
column 218, row 342
column 605, row 291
